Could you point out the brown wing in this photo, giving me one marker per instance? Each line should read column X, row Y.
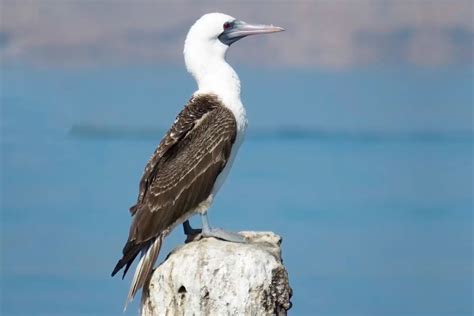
column 184, row 123
column 182, row 171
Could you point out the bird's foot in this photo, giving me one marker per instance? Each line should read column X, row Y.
column 219, row 233
column 191, row 233
column 222, row 234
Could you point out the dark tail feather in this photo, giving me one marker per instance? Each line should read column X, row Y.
column 128, row 266
column 130, row 252
column 118, row 267
column 144, row 267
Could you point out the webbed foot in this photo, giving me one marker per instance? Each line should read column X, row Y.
column 219, row 233
column 191, row 233
column 222, row 234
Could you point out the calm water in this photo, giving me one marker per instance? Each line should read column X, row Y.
column 367, row 175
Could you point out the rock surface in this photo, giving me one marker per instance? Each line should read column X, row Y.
column 214, row 277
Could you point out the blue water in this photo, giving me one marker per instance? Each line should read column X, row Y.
column 366, row 174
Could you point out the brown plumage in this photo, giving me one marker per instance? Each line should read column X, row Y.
column 178, row 177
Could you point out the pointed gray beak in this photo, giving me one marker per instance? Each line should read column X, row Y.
column 239, row 29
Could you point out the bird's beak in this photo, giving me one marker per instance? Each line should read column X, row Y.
column 240, row 29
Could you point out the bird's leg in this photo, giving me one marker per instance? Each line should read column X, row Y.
column 191, row 233
column 219, row 233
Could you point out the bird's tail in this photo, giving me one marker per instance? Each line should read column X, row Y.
column 144, row 268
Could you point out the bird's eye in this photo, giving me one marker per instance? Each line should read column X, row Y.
column 227, row 25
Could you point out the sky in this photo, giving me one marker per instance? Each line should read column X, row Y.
column 333, row 35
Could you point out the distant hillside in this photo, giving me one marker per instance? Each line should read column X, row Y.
column 323, row 34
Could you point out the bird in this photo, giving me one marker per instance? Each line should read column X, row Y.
column 193, row 159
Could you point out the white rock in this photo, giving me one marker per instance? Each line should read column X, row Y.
column 214, row 277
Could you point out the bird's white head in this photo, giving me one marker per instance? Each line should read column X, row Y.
column 206, row 46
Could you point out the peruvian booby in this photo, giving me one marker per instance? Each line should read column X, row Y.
column 195, row 156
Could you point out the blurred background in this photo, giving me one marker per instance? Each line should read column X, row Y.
column 359, row 149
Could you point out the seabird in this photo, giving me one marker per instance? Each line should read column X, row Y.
column 193, row 159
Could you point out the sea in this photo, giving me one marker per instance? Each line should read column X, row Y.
column 367, row 174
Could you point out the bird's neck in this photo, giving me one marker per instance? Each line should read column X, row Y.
column 216, row 76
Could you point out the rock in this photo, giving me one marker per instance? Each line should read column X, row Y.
column 215, row 277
